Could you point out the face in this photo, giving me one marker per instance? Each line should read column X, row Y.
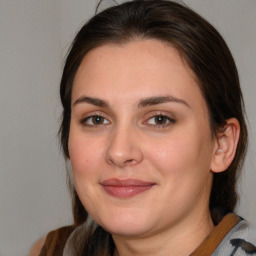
column 140, row 143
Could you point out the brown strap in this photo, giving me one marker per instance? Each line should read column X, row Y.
column 55, row 241
column 209, row 245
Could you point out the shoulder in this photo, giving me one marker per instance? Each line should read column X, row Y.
column 241, row 240
column 36, row 247
column 55, row 241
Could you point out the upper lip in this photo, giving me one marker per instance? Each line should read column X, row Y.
column 125, row 182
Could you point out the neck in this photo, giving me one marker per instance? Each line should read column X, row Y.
column 179, row 240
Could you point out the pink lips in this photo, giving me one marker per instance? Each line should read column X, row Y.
column 125, row 188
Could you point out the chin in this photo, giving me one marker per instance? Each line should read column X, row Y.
column 127, row 231
column 127, row 224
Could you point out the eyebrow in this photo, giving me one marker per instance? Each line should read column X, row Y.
column 151, row 101
column 94, row 101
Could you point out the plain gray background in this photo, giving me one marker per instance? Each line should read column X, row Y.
column 35, row 35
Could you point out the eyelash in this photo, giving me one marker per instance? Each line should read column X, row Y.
column 166, row 118
column 168, row 121
column 85, row 121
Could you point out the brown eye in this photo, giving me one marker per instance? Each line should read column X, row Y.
column 161, row 119
column 95, row 120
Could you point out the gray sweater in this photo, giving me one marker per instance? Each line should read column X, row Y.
column 240, row 241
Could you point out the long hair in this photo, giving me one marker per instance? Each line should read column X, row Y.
column 202, row 48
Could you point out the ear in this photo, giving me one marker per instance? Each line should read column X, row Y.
column 225, row 146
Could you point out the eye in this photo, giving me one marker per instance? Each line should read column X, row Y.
column 95, row 120
column 160, row 120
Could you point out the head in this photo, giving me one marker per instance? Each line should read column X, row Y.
column 201, row 48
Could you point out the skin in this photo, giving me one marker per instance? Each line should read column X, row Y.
column 36, row 247
column 177, row 155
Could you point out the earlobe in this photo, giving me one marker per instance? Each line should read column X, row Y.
column 225, row 146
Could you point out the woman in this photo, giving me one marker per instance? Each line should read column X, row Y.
column 154, row 128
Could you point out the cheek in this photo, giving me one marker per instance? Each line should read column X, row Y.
column 85, row 159
column 169, row 151
column 184, row 153
column 85, row 154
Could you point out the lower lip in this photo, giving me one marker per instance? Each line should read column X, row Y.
column 126, row 191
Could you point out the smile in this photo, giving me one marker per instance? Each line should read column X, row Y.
column 125, row 188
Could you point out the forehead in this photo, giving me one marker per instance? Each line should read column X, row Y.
column 138, row 68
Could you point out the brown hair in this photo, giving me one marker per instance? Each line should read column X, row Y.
column 204, row 50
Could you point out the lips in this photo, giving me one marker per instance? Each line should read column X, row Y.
column 125, row 188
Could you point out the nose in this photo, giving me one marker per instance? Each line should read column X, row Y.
column 124, row 148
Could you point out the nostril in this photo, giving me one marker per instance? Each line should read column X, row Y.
column 129, row 161
column 122, row 163
column 123, row 152
column 110, row 161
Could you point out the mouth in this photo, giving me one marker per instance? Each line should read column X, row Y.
column 125, row 188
